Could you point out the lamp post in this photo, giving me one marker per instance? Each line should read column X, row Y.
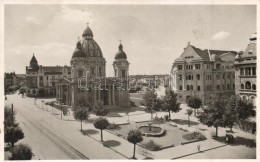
column 61, row 108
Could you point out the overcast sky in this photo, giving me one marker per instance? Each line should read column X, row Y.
column 153, row 36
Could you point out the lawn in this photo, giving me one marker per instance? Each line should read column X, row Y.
column 173, row 136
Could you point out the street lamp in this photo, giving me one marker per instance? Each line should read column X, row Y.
column 61, row 108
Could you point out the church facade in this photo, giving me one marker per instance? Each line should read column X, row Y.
column 88, row 79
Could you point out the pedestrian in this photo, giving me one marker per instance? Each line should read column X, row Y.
column 198, row 147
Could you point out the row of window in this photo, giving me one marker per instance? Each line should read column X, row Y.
column 209, row 87
column 92, row 72
column 248, row 71
column 248, row 86
column 198, row 66
column 208, row 77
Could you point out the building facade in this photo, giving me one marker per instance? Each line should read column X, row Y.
column 245, row 64
column 88, row 76
column 41, row 80
column 204, row 73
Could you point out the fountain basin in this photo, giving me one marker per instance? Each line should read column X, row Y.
column 152, row 131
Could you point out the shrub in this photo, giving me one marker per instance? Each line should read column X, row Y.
column 112, row 126
column 196, row 135
column 151, row 145
column 21, row 152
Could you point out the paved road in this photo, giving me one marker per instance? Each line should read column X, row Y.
column 52, row 138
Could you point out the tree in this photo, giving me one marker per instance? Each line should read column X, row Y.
column 194, row 102
column 189, row 112
column 100, row 109
column 9, row 116
column 170, row 102
column 81, row 113
column 21, row 152
column 237, row 110
column 13, row 134
column 101, row 123
column 213, row 114
column 245, row 109
column 134, row 136
column 151, row 102
column 83, row 103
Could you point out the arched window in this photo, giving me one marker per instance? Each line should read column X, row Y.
column 242, row 86
column 189, row 77
column 188, row 87
column 248, row 85
column 254, row 87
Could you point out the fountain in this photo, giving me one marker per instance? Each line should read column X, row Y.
column 151, row 130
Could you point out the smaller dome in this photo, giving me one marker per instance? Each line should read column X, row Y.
column 87, row 33
column 78, row 51
column 215, row 57
column 120, row 54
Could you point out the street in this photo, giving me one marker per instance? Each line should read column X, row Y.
column 52, row 138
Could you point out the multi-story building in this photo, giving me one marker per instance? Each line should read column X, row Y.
column 41, row 80
column 203, row 73
column 245, row 64
column 10, row 79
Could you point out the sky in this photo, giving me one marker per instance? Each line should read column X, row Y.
column 153, row 36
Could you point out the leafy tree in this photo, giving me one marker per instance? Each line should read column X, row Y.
column 83, row 103
column 194, row 102
column 21, row 152
column 213, row 114
column 189, row 112
column 9, row 116
column 134, row 136
column 101, row 123
column 81, row 113
column 237, row 110
column 170, row 102
column 13, row 134
column 100, row 109
column 245, row 109
column 151, row 101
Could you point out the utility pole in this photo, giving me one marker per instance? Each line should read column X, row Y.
column 61, row 108
column 12, row 114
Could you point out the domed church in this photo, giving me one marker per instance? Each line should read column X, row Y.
column 88, row 79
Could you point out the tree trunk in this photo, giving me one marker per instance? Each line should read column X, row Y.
column 81, row 125
column 12, row 144
column 216, row 131
column 151, row 114
column 231, row 128
column 169, row 114
column 189, row 120
column 134, row 152
column 195, row 112
column 101, row 136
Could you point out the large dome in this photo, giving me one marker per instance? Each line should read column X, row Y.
column 120, row 54
column 87, row 47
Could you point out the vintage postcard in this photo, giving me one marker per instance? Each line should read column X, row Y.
column 122, row 80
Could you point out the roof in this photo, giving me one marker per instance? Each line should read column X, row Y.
column 206, row 54
column 249, row 51
column 202, row 53
column 54, row 69
column 21, row 75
